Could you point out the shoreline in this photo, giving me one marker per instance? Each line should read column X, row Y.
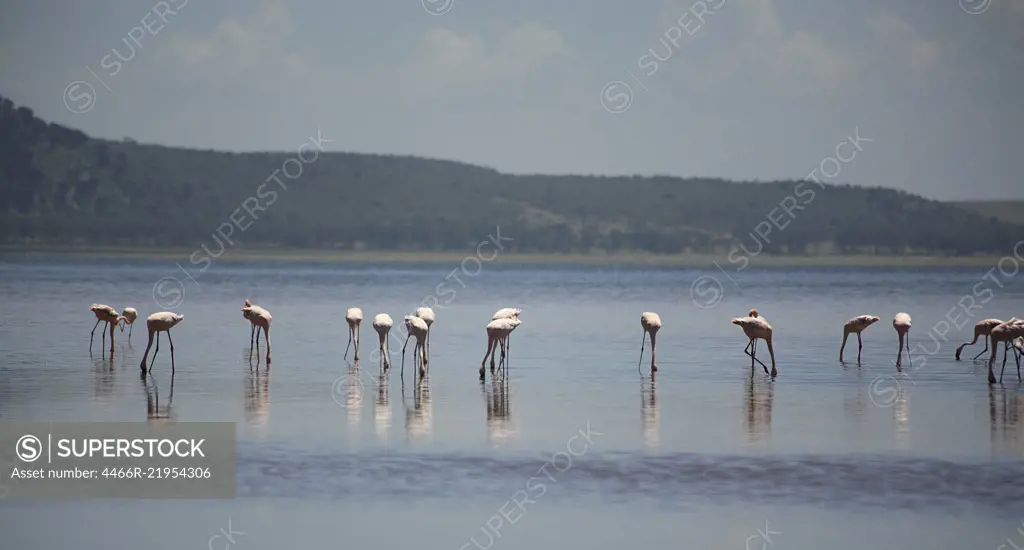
column 626, row 258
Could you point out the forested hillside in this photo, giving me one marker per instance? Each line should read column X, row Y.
column 59, row 186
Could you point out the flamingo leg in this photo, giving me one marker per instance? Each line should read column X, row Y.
column 350, row 332
column 654, row 351
column 172, row 350
column 130, row 328
column 155, row 351
column 643, row 340
column 146, row 354
column 104, row 331
column 257, row 347
column 860, row 346
column 93, row 333
column 1006, row 351
column 356, row 356
column 991, row 361
column 112, row 325
column 910, row 357
column 407, row 336
column 846, row 334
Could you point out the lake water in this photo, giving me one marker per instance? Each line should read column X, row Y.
column 711, row 455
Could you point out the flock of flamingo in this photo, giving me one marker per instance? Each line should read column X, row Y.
column 504, row 321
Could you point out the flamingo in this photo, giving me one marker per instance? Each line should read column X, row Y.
column 104, row 314
column 651, row 324
column 1008, row 333
column 498, row 331
column 901, row 322
column 856, row 326
column 156, row 323
column 982, row 328
column 417, row 328
column 504, row 337
column 756, row 327
column 382, row 324
column 260, row 319
column 427, row 315
column 354, row 317
column 507, row 313
column 128, row 316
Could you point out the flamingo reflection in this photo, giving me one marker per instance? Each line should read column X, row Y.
column 901, row 420
column 381, row 408
column 154, row 414
column 1004, row 416
column 758, row 405
column 353, row 394
column 257, row 398
column 500, row 427
column 419, row 422
column 103, row 378
column 649, row 413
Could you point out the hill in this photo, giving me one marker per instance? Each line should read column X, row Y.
column 59, row 186
column 1007, row 211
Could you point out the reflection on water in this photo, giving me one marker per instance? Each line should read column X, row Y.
column 419, row 422
column 649, row 412
column 1004, row 414
column 353, row 394
column 103, row 378
column 758, row 405
column 257, row 398
column 855, row 402
column 382, row 409
column 901, row 420
column 500, row 427
column 154, row 413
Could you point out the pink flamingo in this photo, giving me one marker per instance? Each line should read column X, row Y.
column 353, row 317
column 260, row 319
column 108, row 315
column 982, row 328
column 156, row 323
column 856, row 326
column 498, row 332
column 651, row 323
column 1007, row 333
column 755, row 328
column 901, row 322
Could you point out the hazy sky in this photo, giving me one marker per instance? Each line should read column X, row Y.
column 760, row 89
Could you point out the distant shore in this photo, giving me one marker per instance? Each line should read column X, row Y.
column 625, row 258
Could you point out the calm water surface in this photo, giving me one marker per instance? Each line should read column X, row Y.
column 828, row 455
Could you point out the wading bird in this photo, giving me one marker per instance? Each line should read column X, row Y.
column 260, row 319
column 651, row 324
column 755, row 328
column 856, row 326
column 353, row 317
column 901, row 322
column 382, row 324
column 498, row 331
column 128, row 316
column 104, row 314
column 417, row 329
column 507, row 313
column 982, row 328
column 156, row 323
column 427, row 315
column 1006, row 334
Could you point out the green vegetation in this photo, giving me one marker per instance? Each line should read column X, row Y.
column 59, row 187
column 1007, row 211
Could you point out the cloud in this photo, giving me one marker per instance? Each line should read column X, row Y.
column 755, row 42
column 240, row 47
column 446, row 61
column 896, row 35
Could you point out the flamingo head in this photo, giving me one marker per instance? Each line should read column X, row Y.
column 121, row 321
column 738, row 321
